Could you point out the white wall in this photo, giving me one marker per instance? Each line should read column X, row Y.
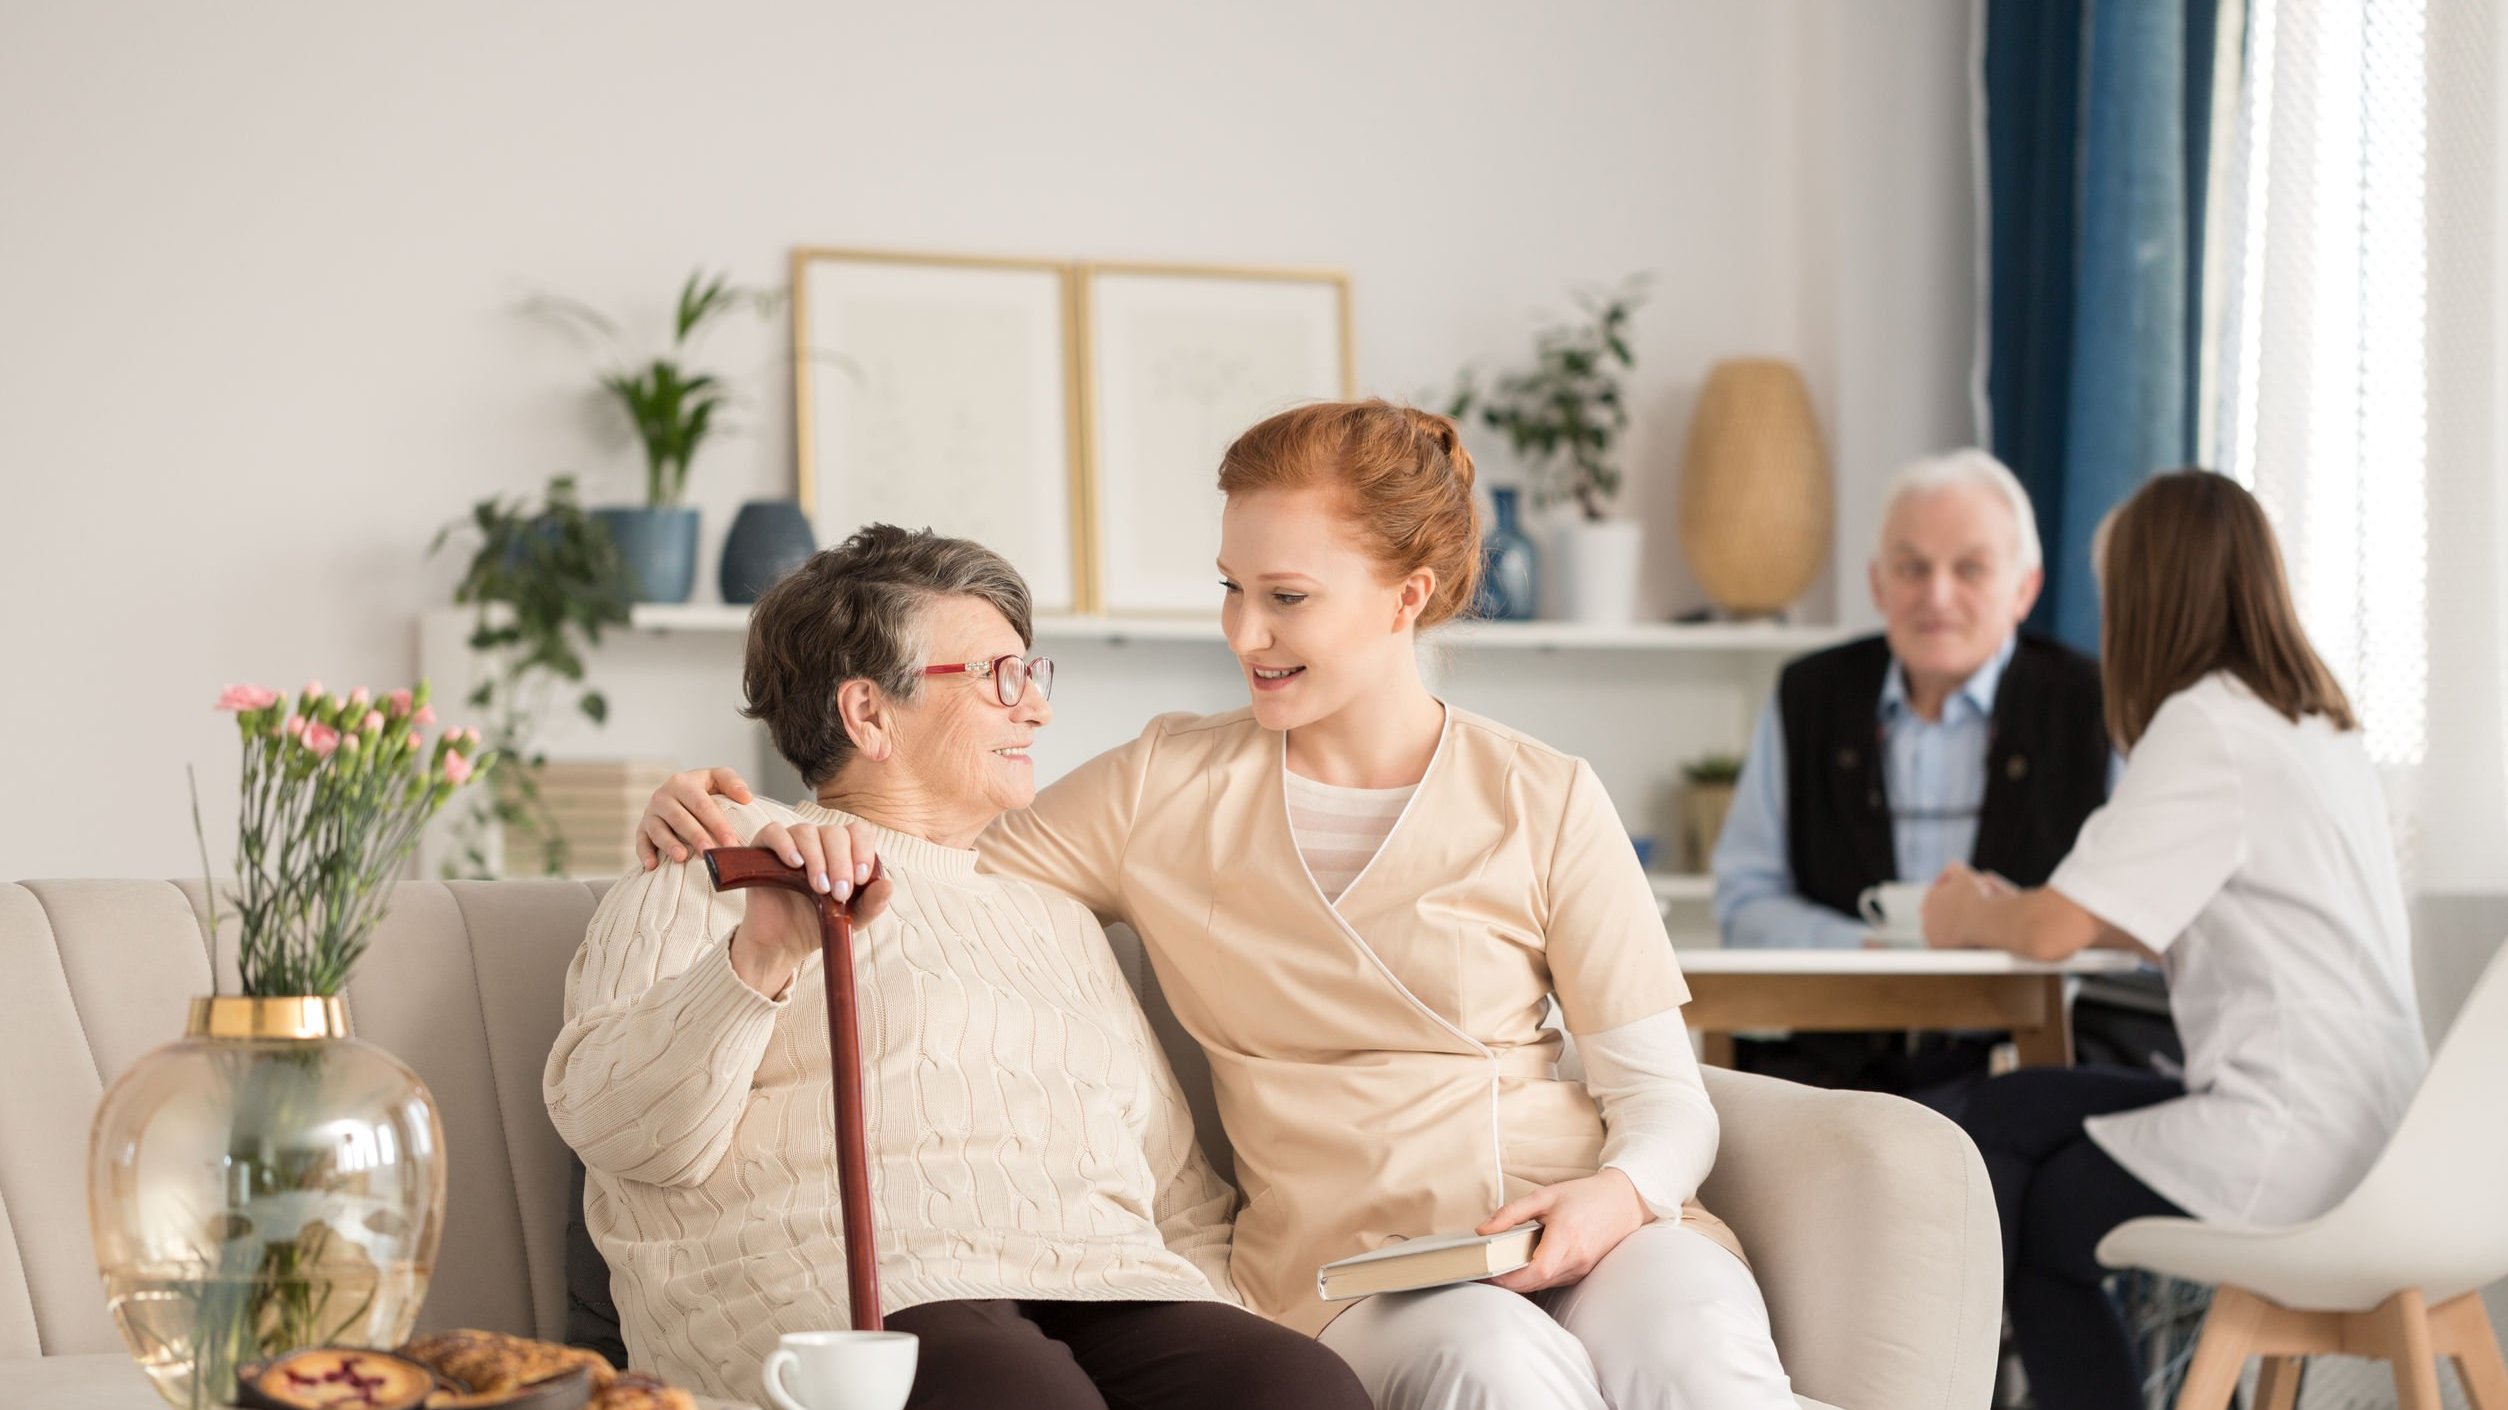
column 256, row 328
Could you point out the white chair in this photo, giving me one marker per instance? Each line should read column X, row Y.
column 2394, row 1271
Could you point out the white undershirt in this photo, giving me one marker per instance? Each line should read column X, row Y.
column 1658, row 1126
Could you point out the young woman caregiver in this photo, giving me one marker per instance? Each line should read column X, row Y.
column 2246, row 847
column 1359, row 901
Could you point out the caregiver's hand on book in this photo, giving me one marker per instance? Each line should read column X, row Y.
column 1581, row 1220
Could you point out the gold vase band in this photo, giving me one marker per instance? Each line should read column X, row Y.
column 302, row 1017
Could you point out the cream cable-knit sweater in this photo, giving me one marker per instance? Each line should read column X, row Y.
column 1027, row 1139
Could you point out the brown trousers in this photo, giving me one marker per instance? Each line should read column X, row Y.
column 986, row 1355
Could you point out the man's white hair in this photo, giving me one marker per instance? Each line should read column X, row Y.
column 1968, row 469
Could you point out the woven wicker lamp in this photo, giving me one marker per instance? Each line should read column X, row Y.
column 1755, row 498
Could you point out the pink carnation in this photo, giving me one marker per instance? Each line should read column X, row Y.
column 358, row 697
column 456, row 770
column 247, row 697
column 372, row 722
column 295, row 726
column 400, row 703
column 321, row 739
column 425, row 715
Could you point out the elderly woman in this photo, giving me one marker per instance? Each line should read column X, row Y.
column 1047, row 1226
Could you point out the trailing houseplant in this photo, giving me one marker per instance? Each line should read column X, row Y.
column 268, row 1181
column 672, row 409
column 546, row 580
column 1564, row 413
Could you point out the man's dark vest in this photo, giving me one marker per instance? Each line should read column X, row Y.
column 2046, row 768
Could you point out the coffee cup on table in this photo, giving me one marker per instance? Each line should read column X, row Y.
column 841, row 1371
column 1895, row 910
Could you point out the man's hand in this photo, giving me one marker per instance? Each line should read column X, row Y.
column 1581, row 1220
column 1952, row 906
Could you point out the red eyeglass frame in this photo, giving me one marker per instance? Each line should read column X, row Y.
column 993, row 668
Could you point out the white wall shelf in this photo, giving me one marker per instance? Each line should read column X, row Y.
column 1635, row 701
column 1778, row 638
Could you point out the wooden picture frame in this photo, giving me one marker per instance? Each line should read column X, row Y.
column 1178, row 360
column 943, row 391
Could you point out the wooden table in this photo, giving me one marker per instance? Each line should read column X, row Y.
column 1858, row 990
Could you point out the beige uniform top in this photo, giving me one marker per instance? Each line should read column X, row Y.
column 1380, row 1066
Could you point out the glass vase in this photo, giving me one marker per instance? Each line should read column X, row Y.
column 266, row 1183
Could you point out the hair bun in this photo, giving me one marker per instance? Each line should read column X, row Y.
column 1448, row 438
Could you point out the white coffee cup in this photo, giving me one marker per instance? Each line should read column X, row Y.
column 841, row 1370
column 1896, row 911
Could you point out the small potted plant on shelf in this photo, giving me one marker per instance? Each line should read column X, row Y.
column 672, row 409
column 1706, row 796
column 547, row 580
column 1564, row 414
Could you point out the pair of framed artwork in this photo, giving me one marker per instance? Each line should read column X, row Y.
column 1069, row 416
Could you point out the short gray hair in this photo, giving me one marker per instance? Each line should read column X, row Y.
column 1968, row 469
column 856, row 612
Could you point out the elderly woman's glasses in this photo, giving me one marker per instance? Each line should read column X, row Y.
column 1010, row 674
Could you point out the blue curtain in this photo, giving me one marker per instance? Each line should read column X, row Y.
column 2098, row 128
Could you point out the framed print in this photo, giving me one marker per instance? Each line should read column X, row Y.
column 1179, row 360
column 943, row 392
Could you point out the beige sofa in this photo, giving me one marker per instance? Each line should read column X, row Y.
column 1868, row 1219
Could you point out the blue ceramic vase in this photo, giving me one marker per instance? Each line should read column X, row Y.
column 769, row 538
column 659, row 547
column 1507, row 565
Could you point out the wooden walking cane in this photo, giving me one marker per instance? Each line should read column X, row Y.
column 740, row 868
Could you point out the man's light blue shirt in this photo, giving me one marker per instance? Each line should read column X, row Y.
column 1933, row 774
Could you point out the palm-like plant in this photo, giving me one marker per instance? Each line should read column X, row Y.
column 671, row 408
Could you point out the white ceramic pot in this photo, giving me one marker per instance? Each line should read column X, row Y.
column 1596, row 569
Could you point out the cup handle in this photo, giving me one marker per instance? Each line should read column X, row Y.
column 1869, row 905
column 778, row 1361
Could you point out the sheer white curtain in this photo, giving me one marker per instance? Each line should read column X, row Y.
column 2358, row 364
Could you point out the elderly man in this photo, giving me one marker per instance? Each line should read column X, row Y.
column 1951, row 737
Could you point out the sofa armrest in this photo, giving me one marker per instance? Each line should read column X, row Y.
column 1870, row 1225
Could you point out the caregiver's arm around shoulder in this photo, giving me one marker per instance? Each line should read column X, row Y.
column 1072, row 838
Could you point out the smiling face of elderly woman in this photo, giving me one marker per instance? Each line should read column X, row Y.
column 858, row 665
column 955, row 750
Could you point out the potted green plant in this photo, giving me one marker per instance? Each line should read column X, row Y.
column 546, row 579
column 1706, row 797
column 672, row 409
column 1565, row 413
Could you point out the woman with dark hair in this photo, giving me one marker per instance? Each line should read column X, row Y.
column 2245, row 850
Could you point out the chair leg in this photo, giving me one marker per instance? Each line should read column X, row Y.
column 2460, row 1329
column 2228, row 1330
column 2277, row 1384
column 2403, row 1326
